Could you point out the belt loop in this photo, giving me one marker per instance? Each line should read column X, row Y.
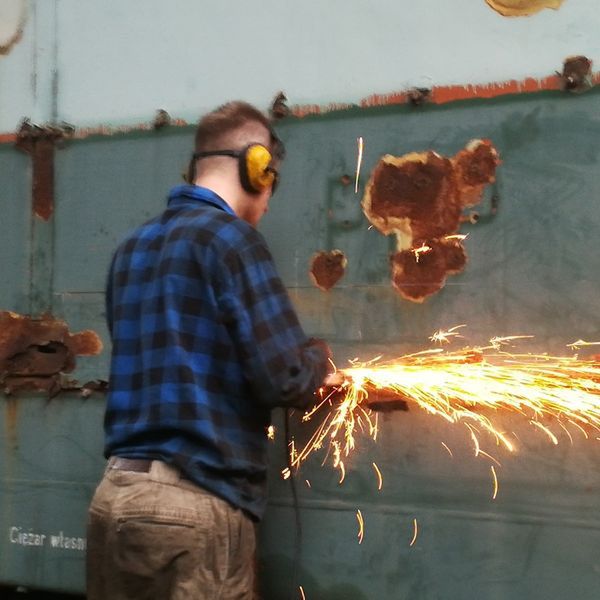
column 109, row 464
column 160, row 471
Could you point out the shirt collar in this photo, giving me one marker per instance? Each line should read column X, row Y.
column 182, row 193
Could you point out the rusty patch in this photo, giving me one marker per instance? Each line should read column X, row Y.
column 36, row 352
column 15, row 34
column 577, row 74
column 420, row 198
column 522, row 8
column 327, row 268
column 415, row 280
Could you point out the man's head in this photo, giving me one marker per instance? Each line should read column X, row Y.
column 237, row 155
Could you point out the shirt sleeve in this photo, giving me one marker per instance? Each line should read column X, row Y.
column 282, row 366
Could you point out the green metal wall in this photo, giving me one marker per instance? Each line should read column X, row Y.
column 533, row 268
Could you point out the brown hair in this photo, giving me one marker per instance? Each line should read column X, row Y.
column 216, row 128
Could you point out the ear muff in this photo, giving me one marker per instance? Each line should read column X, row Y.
column 256, row 173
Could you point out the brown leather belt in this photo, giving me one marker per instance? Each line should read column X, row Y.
column 138, row 465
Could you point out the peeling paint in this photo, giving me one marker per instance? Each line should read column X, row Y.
column 420, row 198
column 438, row 95
column 522, row 8
column 13, row 16
column 35, row 353
column 327, row 268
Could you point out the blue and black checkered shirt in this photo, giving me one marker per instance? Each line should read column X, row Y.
column 205, row 342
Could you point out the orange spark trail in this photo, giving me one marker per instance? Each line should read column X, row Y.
column 449, row 451
column 415, row 532
column 422, row 249
column 361, row 526
column 495, row 482
column 379, row 477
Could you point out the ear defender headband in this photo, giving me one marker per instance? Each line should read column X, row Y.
column 256, row 172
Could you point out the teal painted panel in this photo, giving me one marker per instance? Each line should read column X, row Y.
column 537, row 539
column 51, row 463
column 15, row 227
column 106, row 187
column 532, row 269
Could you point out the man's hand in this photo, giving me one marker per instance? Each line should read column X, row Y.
column 322, row 344
column 334, row 379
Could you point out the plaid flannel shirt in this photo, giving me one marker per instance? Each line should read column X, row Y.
column 205, row 342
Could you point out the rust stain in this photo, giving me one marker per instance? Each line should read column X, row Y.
column 327, row 268
column 39, row 141
column 11, row 415
column 35, row 352
column 437, row 95
column 522, row 8
column 420, row 198
column 8, row 138
column 107, row 130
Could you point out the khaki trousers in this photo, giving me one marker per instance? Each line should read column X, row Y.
column 155, row 536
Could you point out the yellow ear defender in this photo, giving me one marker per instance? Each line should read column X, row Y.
column 256, row 172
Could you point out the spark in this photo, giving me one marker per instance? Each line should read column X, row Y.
column 567, row 432
column 361, row 526
column 449, row 451
column 552, row 437
column 497, row 342
column 580, row 343
column 585, row 435
column 360, row 144
column 457, row 236
column 302, row 593
column 423, row 249
column 495, row 482
column 474, row 438
column 271, row 432
column 308, row 483
column 286, row 473
column 415, row 532
column 379, row 477
column 442, row 336
column 471, row 387
column 490, row 457
column 343, row 472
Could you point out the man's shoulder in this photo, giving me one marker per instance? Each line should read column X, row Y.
column 208, row 224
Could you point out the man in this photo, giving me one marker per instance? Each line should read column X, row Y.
column 205, row 343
